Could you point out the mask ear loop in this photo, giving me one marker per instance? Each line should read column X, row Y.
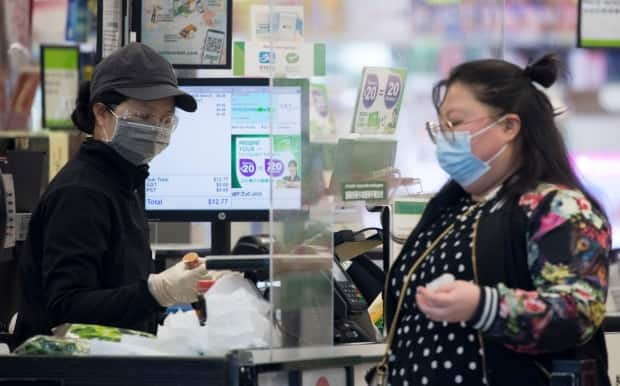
column 497, row 154
column 488, row 127
column 105, row 132
column 503, row 148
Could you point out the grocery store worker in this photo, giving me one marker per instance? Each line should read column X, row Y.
column 527, row 245
column 87, row 257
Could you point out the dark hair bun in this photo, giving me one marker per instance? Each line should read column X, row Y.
column 82, row 115
column 544, row 71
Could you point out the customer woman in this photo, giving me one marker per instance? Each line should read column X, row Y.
column 526, row 243
column 87, row 257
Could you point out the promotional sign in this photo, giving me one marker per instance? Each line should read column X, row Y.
column 379, row 99
column 189, row 33
column 60, row 66
column 277, row 24
column 258, row 159
column 321, row 125
column 300, row 60
column 81, row 25
column 9, row 197
column 598, row 24
column 110, row 26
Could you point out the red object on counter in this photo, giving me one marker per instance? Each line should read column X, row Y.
column 204, row 285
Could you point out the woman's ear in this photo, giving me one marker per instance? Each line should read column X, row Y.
column 512, row 126
column 101, row 114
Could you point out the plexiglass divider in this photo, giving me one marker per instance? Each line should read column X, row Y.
column 365, row 152
column 350, row 92
column 300, row 216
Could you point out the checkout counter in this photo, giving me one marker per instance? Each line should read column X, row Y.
column 339, row 365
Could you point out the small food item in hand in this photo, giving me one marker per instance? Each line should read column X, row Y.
column 191, row 260
column 440, row 281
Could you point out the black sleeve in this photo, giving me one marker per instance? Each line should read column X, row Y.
column 75, row 241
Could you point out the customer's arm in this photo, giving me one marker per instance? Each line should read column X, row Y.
column 568, row 249
column 76, row 240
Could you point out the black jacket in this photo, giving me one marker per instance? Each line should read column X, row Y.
column 87, row 255
column 506, row 230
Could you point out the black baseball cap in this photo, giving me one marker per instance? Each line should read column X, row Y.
column 138, row 72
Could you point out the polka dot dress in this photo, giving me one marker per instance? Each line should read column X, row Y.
column 424, row 352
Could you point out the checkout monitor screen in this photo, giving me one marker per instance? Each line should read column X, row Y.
column 220, row 158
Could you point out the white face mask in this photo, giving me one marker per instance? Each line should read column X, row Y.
column 138, row 142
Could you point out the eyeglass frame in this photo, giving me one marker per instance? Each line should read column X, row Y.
column 172, row 128
column 431, row 128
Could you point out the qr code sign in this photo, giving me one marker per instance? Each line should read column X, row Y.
column 214, row 44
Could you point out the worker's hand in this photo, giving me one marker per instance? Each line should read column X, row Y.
column 451, row 302
column 177, row 284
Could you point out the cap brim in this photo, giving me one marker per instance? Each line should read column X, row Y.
column 182, row 100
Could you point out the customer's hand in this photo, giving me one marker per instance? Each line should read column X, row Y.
column 452, row 302
column 177, row 284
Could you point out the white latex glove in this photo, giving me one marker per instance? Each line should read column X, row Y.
column 177, row 284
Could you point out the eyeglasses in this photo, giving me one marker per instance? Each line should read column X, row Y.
column 169, row 122
column 446, row 128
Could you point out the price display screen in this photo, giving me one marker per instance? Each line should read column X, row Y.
column 241, row 150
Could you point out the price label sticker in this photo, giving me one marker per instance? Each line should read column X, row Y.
column 392, row 91
column 371, row 89
column 274, row 167
column 247, row 167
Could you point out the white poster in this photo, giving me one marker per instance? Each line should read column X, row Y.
column 299, row 60
column 111, row 26
column 187, row 33
column 277, row 24
column 598, row 23
column 379, row 99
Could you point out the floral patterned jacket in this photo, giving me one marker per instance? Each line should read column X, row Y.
column 568, row 249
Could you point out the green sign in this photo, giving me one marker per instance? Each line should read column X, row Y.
column 60, row 76
column 409, row 207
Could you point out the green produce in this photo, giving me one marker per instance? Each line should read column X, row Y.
column 50, row 345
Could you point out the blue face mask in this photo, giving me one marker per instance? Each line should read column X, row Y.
column 456, row 159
